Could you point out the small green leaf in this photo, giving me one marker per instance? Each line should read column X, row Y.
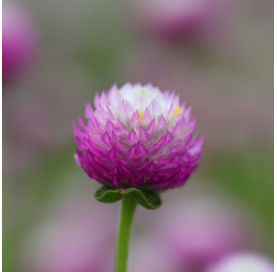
column 107, row 195
column 148, row 199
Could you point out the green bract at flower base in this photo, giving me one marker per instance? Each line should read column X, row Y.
column 147, row 199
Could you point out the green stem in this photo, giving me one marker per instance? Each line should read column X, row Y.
column 128, row 207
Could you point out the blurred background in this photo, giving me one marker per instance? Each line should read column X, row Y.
column 217, row 54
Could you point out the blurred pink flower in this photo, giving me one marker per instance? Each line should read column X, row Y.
column 148, row 256
column 75, row 236
column 243, row 262
column 174, row 19
column 138, row 137
column 199, row 232
column 19, row 40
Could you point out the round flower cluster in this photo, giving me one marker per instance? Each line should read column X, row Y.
column 138, row 137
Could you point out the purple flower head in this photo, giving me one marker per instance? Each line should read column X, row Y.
column 243, row 262
column 138, row 137
column 19, row 36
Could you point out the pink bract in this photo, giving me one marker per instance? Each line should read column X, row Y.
column 138, row 137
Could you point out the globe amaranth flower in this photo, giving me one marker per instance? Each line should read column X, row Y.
column 243, row 262
column 138, row 137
